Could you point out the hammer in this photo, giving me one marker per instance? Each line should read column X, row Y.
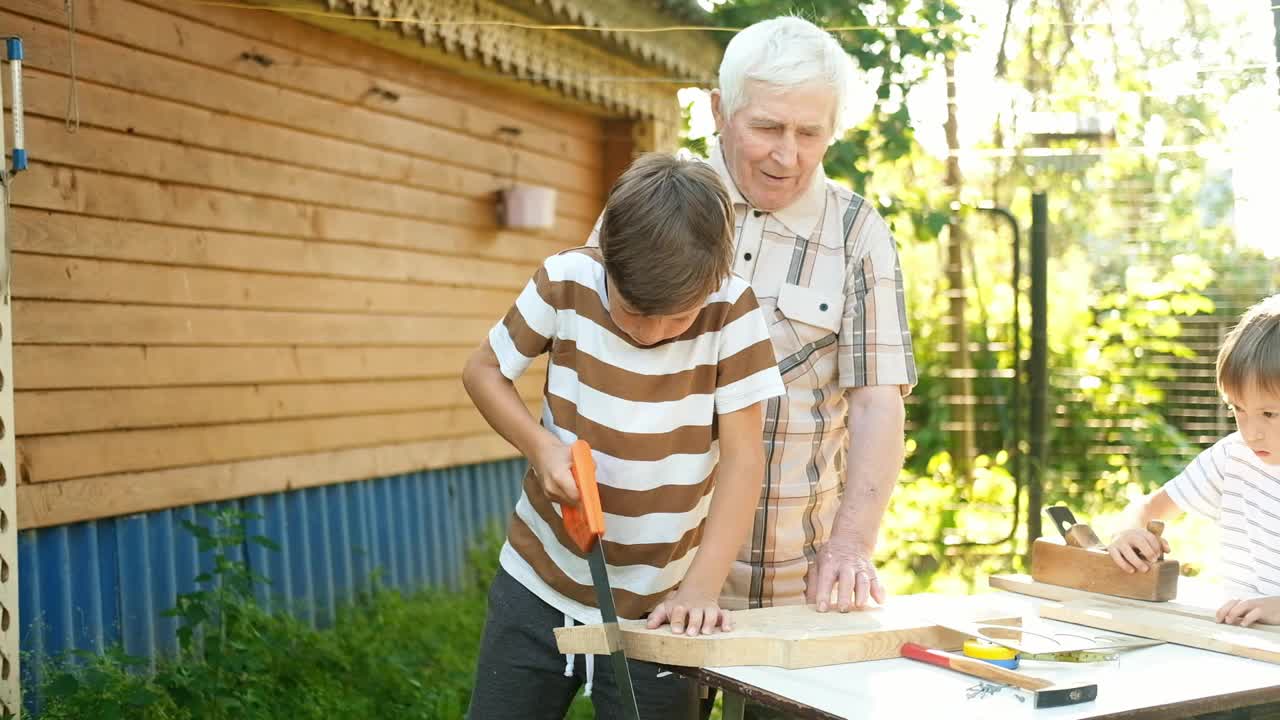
column 1042, row 693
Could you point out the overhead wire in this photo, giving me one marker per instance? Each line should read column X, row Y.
column 420, row 22
column 73, row 110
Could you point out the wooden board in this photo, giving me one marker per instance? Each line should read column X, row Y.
column 242, row 277
column 1192, row 632
column 76, row 323
column 1195, row 600
column 62, row 457
column 58, row 367
column 798, row 636
column 57, row 503
column 45, row 412
column 350, row 63
column 135, row 69
column 51, row 187
column 1093, row 570
column 59, row 278
column 423, row 259
column 136, row 115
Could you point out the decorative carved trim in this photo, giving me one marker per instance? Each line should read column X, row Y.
column 562, row 61
column 681, row 53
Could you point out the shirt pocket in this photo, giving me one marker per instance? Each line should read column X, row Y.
column 805, row 328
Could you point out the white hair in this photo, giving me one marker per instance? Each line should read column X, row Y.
column 786, row 52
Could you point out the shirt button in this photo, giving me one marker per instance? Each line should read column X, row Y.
column 823, row 307
column 757, row 213
column 747, row 256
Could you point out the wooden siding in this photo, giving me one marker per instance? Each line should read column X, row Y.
column 262, row 259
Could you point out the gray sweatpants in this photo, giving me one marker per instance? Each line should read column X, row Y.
column 520, row 675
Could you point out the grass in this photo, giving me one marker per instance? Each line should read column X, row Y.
column 388, row 656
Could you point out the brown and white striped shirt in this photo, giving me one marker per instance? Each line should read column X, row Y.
column 649, row 414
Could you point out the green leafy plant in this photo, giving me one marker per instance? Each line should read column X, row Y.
column 388, row 655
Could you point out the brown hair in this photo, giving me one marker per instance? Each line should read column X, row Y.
column 1250, row 354
column 667, row 234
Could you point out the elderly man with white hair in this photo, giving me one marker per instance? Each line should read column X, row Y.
column 824, row 267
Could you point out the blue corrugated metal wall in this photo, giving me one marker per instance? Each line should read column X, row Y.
column 94, row 584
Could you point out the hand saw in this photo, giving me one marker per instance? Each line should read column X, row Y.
column 585, row 525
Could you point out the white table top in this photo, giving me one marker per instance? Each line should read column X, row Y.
column 1141, row 678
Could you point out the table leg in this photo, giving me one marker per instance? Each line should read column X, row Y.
column 734, row 705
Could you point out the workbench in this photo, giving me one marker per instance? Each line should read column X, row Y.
column 1164, row 682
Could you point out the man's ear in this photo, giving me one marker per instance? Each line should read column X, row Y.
column 715, row 110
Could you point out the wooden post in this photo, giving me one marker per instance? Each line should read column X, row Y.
column 960, row 383
column 619, row 149
column 1038, row 421
column 10, row 687
column 624, row 139
column 1275, row 19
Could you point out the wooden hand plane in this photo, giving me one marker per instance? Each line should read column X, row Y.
column 1082, row 562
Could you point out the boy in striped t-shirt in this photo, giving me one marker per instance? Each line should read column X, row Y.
column 659, row 358
column 1236, row 482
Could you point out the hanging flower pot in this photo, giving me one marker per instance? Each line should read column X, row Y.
column 527, row 207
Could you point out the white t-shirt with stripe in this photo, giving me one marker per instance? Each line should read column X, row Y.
column 1229, row 484
column 649, row 414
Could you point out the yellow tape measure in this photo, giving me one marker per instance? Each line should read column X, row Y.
column 992, row 653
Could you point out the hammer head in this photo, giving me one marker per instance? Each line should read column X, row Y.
column 1060, row 696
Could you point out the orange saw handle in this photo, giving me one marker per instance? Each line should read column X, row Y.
column 585, row 521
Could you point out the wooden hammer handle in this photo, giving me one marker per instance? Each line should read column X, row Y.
column 1156, row 527
column 1082, row 536
column 976, row 668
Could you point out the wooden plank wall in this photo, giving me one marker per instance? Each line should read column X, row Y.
column 262, row 259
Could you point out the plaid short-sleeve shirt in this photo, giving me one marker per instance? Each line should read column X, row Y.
column 826, row 274
column 825, row 271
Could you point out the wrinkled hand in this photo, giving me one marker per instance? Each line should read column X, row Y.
column 690, row 613
column 844, row 564
column 551, row 462
column 1265, row 610
column 1134, row 550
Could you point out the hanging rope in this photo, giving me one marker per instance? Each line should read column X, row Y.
column 73, row 97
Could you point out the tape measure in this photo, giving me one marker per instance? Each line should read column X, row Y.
column 991, row 653
column 1073, row 656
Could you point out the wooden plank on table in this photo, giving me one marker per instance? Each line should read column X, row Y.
column 49, row 458
column 363, row 63
column 54, row 367
column 77, row 323
column 126, row 67
column 797, row 636
column 1194, row 601
column 88, row 192
column 160, row 119
column 44, row 277
column 60, row 233
column 47, row 412
column 1192, row 632
column 57, row 503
